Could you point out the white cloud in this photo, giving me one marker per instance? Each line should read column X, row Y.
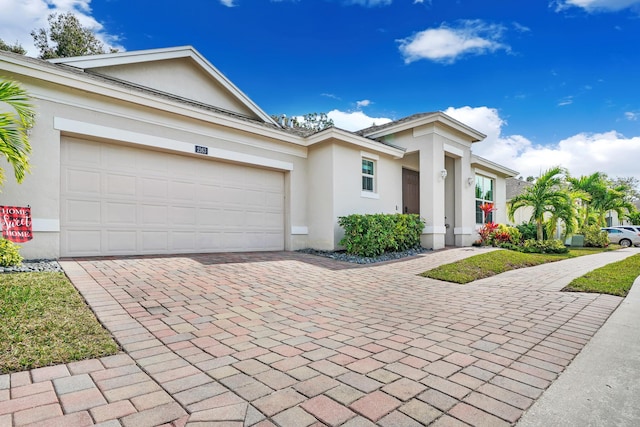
column 363, row 103
column 356, row 120
column 632, row 116
column 581, row 154
column 370, row 3
column 20, row 17
column 228, row 3
column 447, row 44
column 568, row 100
column 596, row 5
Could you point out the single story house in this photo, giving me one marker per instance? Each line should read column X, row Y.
column 157, row 152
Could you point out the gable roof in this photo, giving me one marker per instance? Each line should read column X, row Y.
column 144, row 56
column 421, row 119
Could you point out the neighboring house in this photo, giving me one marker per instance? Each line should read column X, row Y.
column 514, row 187
column 153, row 152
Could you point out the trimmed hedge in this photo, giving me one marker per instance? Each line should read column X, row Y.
column 374, row 234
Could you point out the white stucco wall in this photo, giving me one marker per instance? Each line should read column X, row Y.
column 41, row 189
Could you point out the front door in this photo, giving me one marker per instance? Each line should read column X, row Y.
column 410, row 191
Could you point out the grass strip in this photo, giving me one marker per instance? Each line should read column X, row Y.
column 45, row 321
column 614, row 279
column 495, row 262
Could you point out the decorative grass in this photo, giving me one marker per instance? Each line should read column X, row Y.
column 614, row 279
column 496, row 262
column 45, row 321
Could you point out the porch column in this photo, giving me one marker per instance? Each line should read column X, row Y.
column 432, row 208
column 465, row 207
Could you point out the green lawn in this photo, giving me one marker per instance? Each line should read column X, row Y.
column 496, row 262
column 615, row 278
column 44, row 321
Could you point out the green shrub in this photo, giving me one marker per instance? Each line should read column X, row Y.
column 527, row 231
column 594, row 237
column 9, row 253
column 544, row 247
column 373, row 235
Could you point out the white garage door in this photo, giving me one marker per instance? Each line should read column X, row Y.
column 118, row 200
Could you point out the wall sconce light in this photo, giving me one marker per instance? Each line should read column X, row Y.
column 443, row 173
column 470, row 181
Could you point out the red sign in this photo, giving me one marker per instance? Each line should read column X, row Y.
column 16, row 223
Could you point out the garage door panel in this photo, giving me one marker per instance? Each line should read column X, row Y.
column 154, row 188
column 209, row 218
column 211, row 240
column 210, row 194
column 273, row 241
column 183, row 241
column 82, row 212
column 120, row 185
column 185, row 191
column 118, row 158
column 154, row 163
column 82, row 242
column 82, row 181
column 120, row 213
column 132, row 200
column 183, row 215
column 122, row 242
column 83, row 153
column 155, row 242
column 155, row 214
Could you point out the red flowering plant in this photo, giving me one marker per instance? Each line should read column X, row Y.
column 487, row 208
column 487, row 233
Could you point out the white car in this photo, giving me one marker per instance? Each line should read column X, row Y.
column 633, row 228
column 622, row 237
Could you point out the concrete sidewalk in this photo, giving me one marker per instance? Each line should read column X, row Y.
column 601, row 386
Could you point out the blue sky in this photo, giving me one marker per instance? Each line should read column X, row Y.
column 549, row 81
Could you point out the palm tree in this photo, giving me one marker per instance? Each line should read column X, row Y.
column 545, row 195
column 614, row 199
column 15, row 121
column 593, row 188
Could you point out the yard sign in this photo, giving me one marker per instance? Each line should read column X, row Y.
column 16, row 223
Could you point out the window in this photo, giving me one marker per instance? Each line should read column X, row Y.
column 368, row 175
column 484, row 195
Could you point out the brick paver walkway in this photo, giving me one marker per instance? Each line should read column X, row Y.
column 288, row 339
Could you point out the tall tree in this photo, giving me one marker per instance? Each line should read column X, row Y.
column 15, row 48
column 547, row 194
column 16, row 117
column 66, row 37
column 312, row 121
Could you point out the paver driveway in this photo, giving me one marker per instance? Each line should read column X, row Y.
column 290, row 339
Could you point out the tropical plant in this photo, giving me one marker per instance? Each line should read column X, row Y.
column 633, row 217
column 547, row 194
column 589, row 189
column 15, row 121
column 595, row 237
column 614, row 199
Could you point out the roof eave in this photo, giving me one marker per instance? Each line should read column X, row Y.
column 493, row 166
column 60, row 76
column 333, row 133
column 439, row 116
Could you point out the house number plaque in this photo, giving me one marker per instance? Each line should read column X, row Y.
column 202, row 150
